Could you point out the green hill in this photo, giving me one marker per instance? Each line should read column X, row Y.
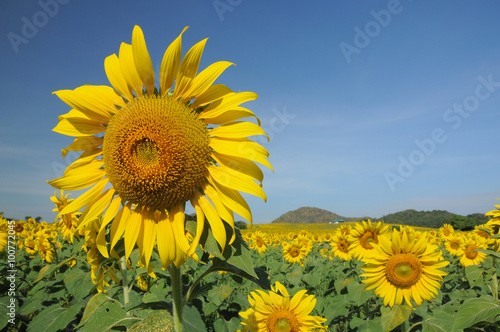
column 307, row 215
column 434, row 219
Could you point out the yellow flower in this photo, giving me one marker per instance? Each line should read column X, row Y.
column 276, row 311
column 446, row 231
column 259, row 240
column 294, row 252
column 142, row 283
column 160, row 148
column 67, row 223
column 404, row 268
column 469, row 255
column 363, row 236
column 340, row 246
column 453, row 244
column 4, row 234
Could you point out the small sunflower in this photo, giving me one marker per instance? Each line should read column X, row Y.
column 294, row 252
column 446, row 231
column 340, row 246
column 67, row 223
column 277, row 312
column 363, row 236
column 470, row 256
column 404, row 268
column 147, row 150
column 453, row 244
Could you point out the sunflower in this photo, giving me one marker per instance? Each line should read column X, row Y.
column 453, row 244
column 294, row 252
column 259, row 242
column 446, row 231
column 340, row 246
column 404, row 268
column 276, row 311
column 469, row 254
column 363, row 236
column 67, row 223
column 156, row 149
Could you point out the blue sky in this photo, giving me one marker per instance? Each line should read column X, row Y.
column 372, row 107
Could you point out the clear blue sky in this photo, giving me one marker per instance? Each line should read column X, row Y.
column 372, row 107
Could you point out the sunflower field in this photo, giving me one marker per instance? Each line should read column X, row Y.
column 349, row 277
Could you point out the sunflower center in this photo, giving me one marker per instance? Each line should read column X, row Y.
column 469, row 253
column 403, row 270
column 156, row 152
column 367, row 239
column 294, row 252
column 343, row 246
column 455, row 245
column 282, row 321
column 446, row 232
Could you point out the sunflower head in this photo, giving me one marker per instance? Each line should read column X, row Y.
column 151, row 146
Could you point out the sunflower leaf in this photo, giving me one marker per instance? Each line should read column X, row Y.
column 440, row 321
column 393, row 317
column 489, row 252
column 474, row 275
column 476, row 310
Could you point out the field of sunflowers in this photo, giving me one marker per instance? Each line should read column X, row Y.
column 273, row 277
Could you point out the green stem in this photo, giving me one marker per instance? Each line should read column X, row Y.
column 414, row 325
column 123, row 270
column 406, row 325
column 494, row 279
column 175, row 275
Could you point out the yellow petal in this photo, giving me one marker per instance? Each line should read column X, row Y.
column 84, row 198
column 213, row 93
column 85, row 158
column 243, row 148
column 204, row 80
column 216, row 224
column 178, row 228
column 150, row 229
column 83, row 143
column 239, row 129
column 229, row 101
column 78, row 127
column 127, row 66
column 94, row 209
column 200, row 223
column 188, row 69
column 134, row 224
column 165, row 241
column 119, row 224
column 170, row 64
column 236, row 181
column 115, row 76
column 233, row 200
column 240, row 165
column 142, row 60
column 111, row 212
column 78, row 181
column 228, row 116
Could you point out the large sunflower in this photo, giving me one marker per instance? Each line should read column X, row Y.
column 277, row 312
column 148, row 149
column 404, row 268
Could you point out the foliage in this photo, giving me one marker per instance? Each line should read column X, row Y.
column 463, row 223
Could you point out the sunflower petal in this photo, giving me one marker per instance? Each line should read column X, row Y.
column 84, row 198
column 142, row 60
column 115, row 76
column 210, row 95
column 83, row 143
column 78, row 127
column 239, row 129
column 204, row 80
column 128, row 69
column 242, row 148
column 170, row 64
column 188, row 68
column 236, row 181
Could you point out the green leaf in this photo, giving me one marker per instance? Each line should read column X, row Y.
column 439, row 321
column 489, row 252
column 45, row 271
column 4, row 302
column 53, row 318
column 192, row 320
column 238, row 255
column 78, row 284
column 295, row 275
column 221, row 325
column 106, row 316
column 218, row 294
column 476, row 310
column 93, row 306
column 474, row 275
column 157, row 320
column 392, row 318
column 374, row 325
column 358, row 293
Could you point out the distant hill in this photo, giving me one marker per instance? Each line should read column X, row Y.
column 434, row 219
column 306, row 215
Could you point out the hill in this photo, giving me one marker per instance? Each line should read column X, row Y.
column 307, row 215
column 434, row 219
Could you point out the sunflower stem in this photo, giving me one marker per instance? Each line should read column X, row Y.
column 494, row 279
column 123, row 270
column 175, row 275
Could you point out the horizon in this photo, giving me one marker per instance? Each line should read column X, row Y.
column 370, row 107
